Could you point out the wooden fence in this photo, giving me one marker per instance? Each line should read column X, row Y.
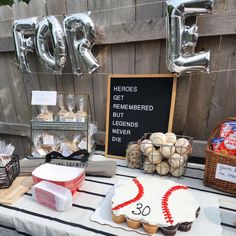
column 131, row 40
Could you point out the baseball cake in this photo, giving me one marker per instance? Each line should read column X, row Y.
column 154, row 204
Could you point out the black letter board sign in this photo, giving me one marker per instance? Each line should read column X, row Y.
column 137, row 104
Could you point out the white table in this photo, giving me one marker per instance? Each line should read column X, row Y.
column 27, row 217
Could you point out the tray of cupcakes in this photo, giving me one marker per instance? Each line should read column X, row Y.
column 164, row 154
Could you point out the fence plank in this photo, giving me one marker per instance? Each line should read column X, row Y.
column 223, row 100
column 103, row 55
column 155, row 29
column 147, row 54
column 47, row 79
column 15, row 129
column 56, row 7
column 20, row 10
column 100, row 12
column 76, row 6
column 147, row 10
column 18, row 89
column 181, row 104
column 81, row 84
column 123, row 54
column 66, row 82
column 72, row 80
column 230, row 5
column 6, row 27
column 6, row 21
column 122, row 11
column 37, row 8
column 201, row 92
column 7, row 101
column 22, row 83
column 182, row 94
column 100, row 85
column 149, row 30
column 31, row 80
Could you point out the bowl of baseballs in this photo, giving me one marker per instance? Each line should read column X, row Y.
column 167, row 152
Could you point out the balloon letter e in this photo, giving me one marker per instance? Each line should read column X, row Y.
column 181, row 37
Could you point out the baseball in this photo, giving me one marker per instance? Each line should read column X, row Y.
column 176, row 160
column 167, row 150
column 158, row 138
column 170, row 137
column 133, row 162
column 148, row 150
column 182, row 145
column 177, row 172
column 145, row 144
column 155, row 156
column 133, row 147
column 133, row 154
column 185, row 156
column 163, row 168
column 148, row 167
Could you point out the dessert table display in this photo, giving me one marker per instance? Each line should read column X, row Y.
column 66, row 127
column 156, row 190
column 27, row 217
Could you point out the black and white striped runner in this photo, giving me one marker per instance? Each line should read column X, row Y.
column 88, row 198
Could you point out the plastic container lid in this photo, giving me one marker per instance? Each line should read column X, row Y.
column 57, row 173
column 69, row 177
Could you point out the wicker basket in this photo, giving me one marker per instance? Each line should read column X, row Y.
column 9, row 172
column 215, row 158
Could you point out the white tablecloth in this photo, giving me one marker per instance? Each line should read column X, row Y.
column 27, row 217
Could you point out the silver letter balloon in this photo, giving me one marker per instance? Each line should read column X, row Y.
column 182, row 37
column 50, row 44
column 80, row 34
column 23, row 33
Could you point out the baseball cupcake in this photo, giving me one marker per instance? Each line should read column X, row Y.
column 154, row 204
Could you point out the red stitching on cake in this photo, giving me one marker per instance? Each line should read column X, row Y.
column 164, row 202
column 139, row 195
